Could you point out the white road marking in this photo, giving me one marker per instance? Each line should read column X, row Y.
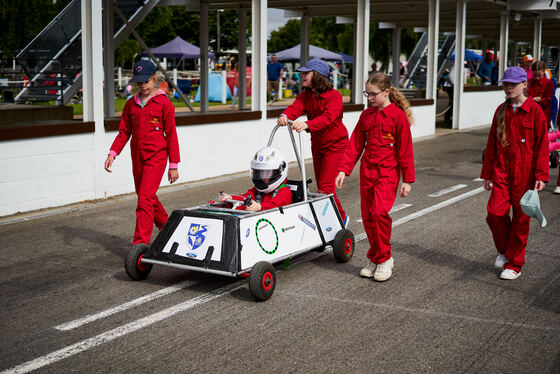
column 116, row 333
column 119, row 308
column 396, row 208
column 427, row 210
column 108, row 336
column 447, row 190
column 478, row 180
column 434, row 313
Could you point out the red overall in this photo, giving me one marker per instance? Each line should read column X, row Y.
column 513, row 170
column 385, row 135
column 329, row 136
column 280, row 197
column 543, row 88
column 154, row 138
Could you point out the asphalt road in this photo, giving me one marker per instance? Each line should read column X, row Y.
column 68, row 305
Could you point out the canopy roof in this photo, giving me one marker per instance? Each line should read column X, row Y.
column 292, row 54
column 178, row 48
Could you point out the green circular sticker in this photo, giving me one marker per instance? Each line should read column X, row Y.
column 266, row 235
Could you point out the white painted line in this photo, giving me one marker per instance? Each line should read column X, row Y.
column 478, row 180
column 119, row 308
column 429, row 312
column 396, row 208
column 447, row 190
column 116, row 333
column 427, row 210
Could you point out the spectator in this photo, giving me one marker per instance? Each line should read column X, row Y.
column 274, row 70
column 541, row 89
column 485, row 69
column 526, row 63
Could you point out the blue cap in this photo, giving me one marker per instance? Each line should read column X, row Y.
column 317, row 65
column 514, row 74
column 143, row 70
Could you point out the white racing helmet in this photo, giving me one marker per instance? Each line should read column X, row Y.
column 268, row 169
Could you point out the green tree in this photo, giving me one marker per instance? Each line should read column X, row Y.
column 21, row 21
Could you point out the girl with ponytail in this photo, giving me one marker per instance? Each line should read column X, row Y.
column 383, row 135
column 516, row 160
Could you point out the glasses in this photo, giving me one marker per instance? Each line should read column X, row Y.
column 371, row 95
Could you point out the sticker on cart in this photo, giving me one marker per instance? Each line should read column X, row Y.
column 267, row 236
column 307, row 222
column 196, row 236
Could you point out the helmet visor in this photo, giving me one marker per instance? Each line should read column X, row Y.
column 263, row 178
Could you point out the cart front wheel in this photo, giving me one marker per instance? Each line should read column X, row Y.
column 343, row 245
column 262, row 280
column 133, row 264
column 553, row 159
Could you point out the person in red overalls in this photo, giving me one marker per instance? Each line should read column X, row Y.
column 541, row 89
column 149, row 117
column 516, row 160
column 323, row 106
column 383, row 135
column 269, row 172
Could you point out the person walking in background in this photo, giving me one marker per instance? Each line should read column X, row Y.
column 526, row 63
column 274, row 71
column 541, row 89
column 235, row 83
column 323, row 106
column 516, row 160
column 485, row 69
column 383, row 135
column 149, row 119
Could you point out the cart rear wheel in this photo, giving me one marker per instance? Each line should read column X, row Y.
column 262, row 280
column 133, row 264
column 343, row 245
column 553, row 159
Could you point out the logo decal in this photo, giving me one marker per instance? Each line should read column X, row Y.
column 191, row 254
column 307, row 222
column 247, row 233
column 196, row 235
column 284, row 229
column 267, row 239
column 138, row 69
column 328, row 229
column 325, row 208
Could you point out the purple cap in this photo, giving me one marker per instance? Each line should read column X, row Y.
column 317, row 65
column 515, row 74
column 143, row 70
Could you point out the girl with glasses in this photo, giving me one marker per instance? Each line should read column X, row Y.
column 383, row 136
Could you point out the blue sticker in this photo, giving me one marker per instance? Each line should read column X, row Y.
column 307, row 222
column 328, row 229
column 247, row 233
column 191, row 254
column 196, row 236
column 325, row 208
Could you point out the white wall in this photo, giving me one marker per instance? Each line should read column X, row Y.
column 54, row 171
column 477, row 108
column 424, row 121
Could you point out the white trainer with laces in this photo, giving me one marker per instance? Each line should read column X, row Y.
column 368, row 271
column 384, row 271
column 557, row 190
column 500, row 261
column 509, row 274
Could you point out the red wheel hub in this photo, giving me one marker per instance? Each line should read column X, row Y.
column 348, row 246
column 141, row 266
column 267, row 281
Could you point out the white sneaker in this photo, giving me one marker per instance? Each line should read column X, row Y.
column 509, row 274
column 368, row 271
column 500, row 261
column 557, row 190
column 384, row 271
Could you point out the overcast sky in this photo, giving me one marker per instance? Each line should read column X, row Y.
column 276, row 19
